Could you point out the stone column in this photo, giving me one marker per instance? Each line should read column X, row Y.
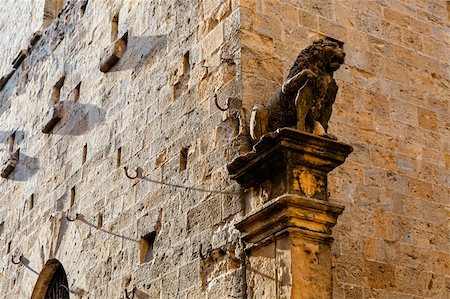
column 289, row 238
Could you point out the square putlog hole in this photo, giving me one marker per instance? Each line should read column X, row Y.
column 147, row 242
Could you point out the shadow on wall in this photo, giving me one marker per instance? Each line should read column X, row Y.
column 79, row 118
column 25, row 169
column 141, row 51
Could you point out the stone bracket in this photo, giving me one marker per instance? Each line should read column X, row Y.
column 313, row 218
column 10, row 164
column 52, row 117
column 20, row 58
column 113, row 53
column 5, row 79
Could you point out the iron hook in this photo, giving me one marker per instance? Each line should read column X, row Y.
column 139, row 172
column 217, row 104
column 72, row 219
column 14, row 262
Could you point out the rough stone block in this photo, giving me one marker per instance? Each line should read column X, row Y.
column 52, row 117
column 11, row 163
column 19, row 58
column 113, row 53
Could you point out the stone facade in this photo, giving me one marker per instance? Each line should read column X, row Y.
column 68, row 197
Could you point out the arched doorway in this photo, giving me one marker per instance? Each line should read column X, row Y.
column 52, row 282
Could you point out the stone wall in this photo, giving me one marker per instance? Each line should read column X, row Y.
column 393, row 108
column 156, row 110
column 157, row 106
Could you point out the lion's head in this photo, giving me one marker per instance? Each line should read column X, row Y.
column 324, row 55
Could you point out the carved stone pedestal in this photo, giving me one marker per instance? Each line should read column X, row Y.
column 289, row 238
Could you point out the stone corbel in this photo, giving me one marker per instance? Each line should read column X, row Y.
column 10, row 164
column 52, row 117
column 112, row 54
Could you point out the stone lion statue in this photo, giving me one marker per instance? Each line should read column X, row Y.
column 304, row 100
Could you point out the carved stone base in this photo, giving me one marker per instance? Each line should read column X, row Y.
column 289, row 161
column 9, row 165
column 113, row 53
column 288, row 246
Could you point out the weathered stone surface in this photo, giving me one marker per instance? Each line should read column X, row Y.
column 398, row 171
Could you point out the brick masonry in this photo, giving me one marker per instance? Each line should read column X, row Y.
column 158, row 100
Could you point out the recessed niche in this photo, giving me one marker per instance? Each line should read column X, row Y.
column 72, row 196
column 11, row 142
column 83, row 8
column 76, row 93
column 56, row 91
column 183, row 158
column 118, row 157
column 31, row 202
column 147, row 243
column 99, row 220
column 8, row 249
column 84, row 157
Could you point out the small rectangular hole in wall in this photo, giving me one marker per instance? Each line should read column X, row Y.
column 99, row 220
column 31, row 202
column 2, row 227
column 114, row 27
column 8, row 249
column 72, row 196
column 118, row 157
column 186, row 63
column 11, row 142
column 56, row 92
column 146, row 247
column 84, row 154
column 83, row 8
column 183, row 158
column 76, row 93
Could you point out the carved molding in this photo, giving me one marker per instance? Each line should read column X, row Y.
column 290, row 213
